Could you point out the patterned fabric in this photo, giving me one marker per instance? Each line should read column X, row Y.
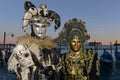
column 40, row 50
column 80, row 67
column 47, row 46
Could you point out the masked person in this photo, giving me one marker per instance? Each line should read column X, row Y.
column 78, row 63
column 34, row 57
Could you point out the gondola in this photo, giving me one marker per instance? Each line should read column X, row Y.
column 106, row 59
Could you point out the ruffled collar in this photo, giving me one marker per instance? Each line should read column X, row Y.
column 28, row 40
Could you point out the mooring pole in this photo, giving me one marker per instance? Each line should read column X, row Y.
column 4, row 39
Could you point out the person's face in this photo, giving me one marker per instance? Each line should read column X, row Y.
column 39, row 30
column 75, row 44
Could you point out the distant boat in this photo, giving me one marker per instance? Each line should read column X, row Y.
column 106, row 59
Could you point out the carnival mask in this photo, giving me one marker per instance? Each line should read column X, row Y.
column 75, row 44
column 23, row 55
column 39, row 30
column 39, row 25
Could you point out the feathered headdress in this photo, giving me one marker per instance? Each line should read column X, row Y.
column 41, row 12
column 75, row 27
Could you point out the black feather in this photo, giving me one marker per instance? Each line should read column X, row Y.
column 28, row 5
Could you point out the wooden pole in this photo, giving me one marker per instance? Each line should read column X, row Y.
column 4, row 39
column 111, row 47
column 116, row 46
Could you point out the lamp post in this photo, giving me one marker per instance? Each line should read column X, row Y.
column 4, row 40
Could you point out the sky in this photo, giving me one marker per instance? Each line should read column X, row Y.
column 102, row 17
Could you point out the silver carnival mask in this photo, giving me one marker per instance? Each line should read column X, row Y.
column 39, row 25
column 39, row 30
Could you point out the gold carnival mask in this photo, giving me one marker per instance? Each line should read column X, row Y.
column 75, row 43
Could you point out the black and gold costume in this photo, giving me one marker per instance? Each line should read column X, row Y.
column 82, row 67
column 41, row 48
column 78, row 64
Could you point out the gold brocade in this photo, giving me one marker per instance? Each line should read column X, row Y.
column 78, row 68
column 73, row 70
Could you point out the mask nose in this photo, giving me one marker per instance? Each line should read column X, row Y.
column 40, row 29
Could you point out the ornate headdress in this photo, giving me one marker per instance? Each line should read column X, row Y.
column 75, row 27
column 44, row 15
column 75, row 33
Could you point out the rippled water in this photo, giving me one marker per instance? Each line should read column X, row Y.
column 5, row 75
column 108, row 73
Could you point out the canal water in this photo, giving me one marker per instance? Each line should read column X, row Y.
column 109, row 73
column 5, row 75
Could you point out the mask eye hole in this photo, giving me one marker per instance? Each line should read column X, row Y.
column 41, row 55
column 43, row 26
column 38, row 21
column 26, row 55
